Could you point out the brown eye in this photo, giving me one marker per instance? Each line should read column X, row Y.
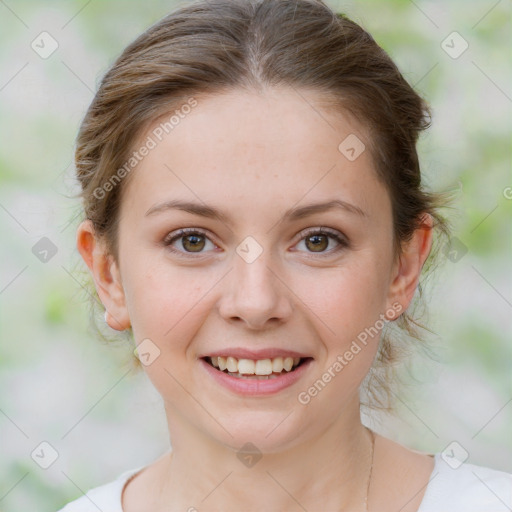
column 187, row 241
column 317, row 243
column 193, row 243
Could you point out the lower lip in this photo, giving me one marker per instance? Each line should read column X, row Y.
column 256, row 387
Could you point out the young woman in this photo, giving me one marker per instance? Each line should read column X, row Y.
column 255, row 216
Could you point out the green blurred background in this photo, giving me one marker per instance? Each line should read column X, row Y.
column 62, row 385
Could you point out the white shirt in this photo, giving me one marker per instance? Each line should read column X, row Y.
column 468, row 488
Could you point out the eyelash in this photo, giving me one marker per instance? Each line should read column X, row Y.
column 343, row 243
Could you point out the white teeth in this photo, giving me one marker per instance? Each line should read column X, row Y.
column 261, row 367
column 232, row 364
column 277, row 364
column 246, row 366
column 253, row 377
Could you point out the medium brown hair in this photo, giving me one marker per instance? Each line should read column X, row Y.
column 213, row 46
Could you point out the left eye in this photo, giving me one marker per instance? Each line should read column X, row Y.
column 318, row 240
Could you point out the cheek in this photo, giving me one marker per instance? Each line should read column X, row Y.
column 348, row 306
column 347, row 299
column 164, row 302
column 167, row 306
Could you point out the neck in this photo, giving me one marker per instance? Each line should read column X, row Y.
column 334, row 466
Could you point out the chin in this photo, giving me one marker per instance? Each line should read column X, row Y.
column 269, row 431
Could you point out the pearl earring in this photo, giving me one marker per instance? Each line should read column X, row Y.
column 105, row 316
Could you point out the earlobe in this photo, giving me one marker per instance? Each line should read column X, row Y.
column 410, row 263
column 105, row 273
column 114, row 323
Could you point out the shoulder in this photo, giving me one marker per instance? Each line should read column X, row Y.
column 105, row 497
column 463, row 487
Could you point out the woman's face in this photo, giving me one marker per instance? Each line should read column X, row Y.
column 251, row 279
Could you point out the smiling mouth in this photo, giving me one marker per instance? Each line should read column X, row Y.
column 261, row 369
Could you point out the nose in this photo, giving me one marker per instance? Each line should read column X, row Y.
column 255, row 294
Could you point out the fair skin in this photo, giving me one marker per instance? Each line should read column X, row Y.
column 254, row 156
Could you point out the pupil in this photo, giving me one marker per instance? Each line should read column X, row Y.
column 195, row 244
column 317, row 245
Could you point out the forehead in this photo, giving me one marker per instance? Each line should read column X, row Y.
column 271, row 148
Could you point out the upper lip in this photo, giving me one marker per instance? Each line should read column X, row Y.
column 263, row 353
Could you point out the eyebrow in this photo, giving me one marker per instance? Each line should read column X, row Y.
column 292, row 214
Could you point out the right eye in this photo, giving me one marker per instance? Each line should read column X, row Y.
column 193, row 241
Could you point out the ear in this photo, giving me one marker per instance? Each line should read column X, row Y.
column 407, row 268
column 106, row 275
